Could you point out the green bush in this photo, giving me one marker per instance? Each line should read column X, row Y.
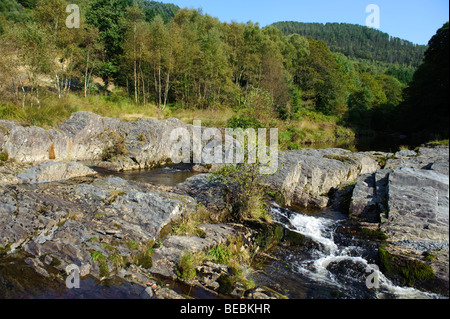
column 116, row 146
column 248, row 193
column 186, row 266
column 244, row 122
column 4, row 156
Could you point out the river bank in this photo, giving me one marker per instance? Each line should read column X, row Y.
column 58, row 211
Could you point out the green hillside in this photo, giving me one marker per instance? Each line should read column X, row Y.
column 359, row 42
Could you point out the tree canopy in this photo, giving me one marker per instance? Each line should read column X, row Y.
column 161, row 54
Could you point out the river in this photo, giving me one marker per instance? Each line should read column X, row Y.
column 329, row 266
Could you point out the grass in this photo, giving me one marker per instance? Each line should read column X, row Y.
column 186, row 266
column 305, row 127
column 54, row 111
column 232, row 253
column 102, row 263
column 188, row 225
column 438, row 143
column 4, row 156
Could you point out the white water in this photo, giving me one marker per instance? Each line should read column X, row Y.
column 321, row 231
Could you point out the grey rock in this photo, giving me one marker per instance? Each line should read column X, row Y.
column 38, row 266
column 364, row 201
column 418, row 205
column 204, row 189
column 149, row 292
column 84, row 137
column 54, row 171
column 405, row 153
column 306, row 177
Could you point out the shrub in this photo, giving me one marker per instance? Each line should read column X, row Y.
column 186, row 266
column 4, row 156
column 115, row 146
column 244, row 122
column 248, row 192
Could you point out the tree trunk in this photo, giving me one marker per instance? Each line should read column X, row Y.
column 86, row 75
column 166, row 91
column 24, row 94
column 135, row 83
column 37, row 97
column 159, row 87
column 156, row 85
column 58, row 87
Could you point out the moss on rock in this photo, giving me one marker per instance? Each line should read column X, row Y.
column 407, row 271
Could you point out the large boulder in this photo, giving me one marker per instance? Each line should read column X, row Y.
column 418, row 205
column 54, row 171
column 85, row 136
column 307, row 177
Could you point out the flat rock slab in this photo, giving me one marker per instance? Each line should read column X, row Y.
column 54, row 171
column 418, row 206
column 68, row 220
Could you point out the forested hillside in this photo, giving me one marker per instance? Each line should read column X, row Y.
column 359, row 42
column 159, row 56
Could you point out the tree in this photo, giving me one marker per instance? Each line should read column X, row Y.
column 322, row 80
column 134, row 44
column 108, row 17
column 36, row 51
column 425, row 109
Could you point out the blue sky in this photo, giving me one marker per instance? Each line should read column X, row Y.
column 413, row 20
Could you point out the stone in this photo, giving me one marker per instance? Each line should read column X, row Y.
column 38, row 266
column 54, row 171
column 418, row 205
column 364, row 202
column 84, row 137
column 307, row 177
column 405, row 153
column 205, row 190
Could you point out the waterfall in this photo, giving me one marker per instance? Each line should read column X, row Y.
column 327, row 253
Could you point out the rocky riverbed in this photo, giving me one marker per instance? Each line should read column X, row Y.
column 55, row 210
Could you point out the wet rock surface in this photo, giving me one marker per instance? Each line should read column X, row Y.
column 410, row 196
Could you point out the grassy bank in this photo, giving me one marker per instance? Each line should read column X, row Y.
column 305, row 128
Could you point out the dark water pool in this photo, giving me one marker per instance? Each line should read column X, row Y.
column 166, row 176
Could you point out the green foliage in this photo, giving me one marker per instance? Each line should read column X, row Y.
column 4, row 156
column 115, row 146
column 409, row 272
column 186, row 266
column 244, row 122
column 244, row 183
column 438, row 143
column 322, row 80
column 226, row 284
column 11, row 10
column 220, row 254
column 165, row 10
column 357, row 41
column 102, row 263
column 425, row 111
